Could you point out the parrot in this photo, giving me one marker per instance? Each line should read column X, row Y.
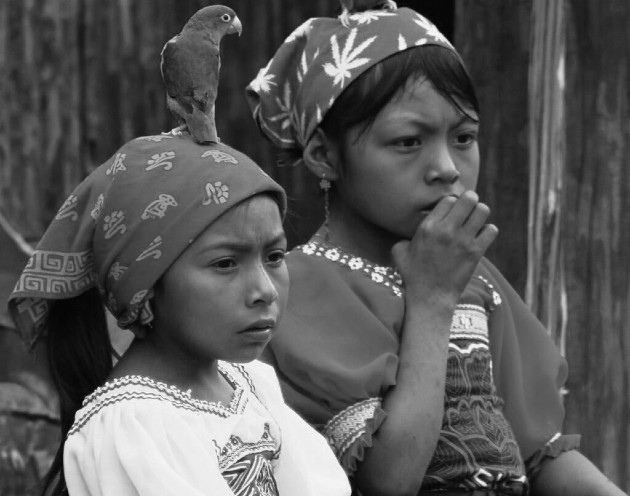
column 190, row 65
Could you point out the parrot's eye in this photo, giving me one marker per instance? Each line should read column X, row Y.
column 226, row 17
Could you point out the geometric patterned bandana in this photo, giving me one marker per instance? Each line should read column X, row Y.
column 128, row 221
column 291, row 95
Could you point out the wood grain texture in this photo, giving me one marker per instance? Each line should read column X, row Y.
column 596, row 230
column 554, row 83
column 493, row 39
column 81, row 77
column 545, row 291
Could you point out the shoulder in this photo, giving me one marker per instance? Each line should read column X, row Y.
column 320, row 271
column 135, row 399
column 133, row 426
column 137, row 413
column 308, row 258
column 114, row 396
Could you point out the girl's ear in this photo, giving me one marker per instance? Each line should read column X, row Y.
column 322, row 157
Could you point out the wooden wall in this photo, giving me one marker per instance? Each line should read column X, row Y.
column 83, row 78
column 596, row 228
column 554, row 84
column 78, row 78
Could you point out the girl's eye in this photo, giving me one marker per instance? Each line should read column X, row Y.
column 465, row 139
column 276, row 257
column 408, row 142
column 224, row 264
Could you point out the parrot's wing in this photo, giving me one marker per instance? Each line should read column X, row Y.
column 190, row 71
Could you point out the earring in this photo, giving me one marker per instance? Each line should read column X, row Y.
column 324, row 184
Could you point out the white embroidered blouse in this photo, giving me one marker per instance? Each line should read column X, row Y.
column 134, row 436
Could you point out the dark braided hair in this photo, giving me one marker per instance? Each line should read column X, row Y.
column 80, row 360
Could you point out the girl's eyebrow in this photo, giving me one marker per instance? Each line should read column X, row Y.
column 280, row 237
column 240, row 246
column 464, row 119
column 423, row 124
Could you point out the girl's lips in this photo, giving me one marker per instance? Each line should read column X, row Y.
column 261, row 334
column 260, row 326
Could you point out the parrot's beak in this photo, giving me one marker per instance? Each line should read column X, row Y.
column 236, row 26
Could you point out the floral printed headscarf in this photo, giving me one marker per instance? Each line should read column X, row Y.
column 128, row 221
column 291, row 95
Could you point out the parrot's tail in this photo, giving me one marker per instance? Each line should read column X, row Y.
column 202, row 126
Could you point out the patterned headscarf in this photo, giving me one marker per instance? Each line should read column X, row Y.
column 128, row 221
column 291, row 95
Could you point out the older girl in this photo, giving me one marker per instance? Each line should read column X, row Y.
column 402, row 344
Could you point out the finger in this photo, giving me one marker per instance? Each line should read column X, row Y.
column 443, row 208
column 477, row 219
column 486, row 237
column 464, row 207
column 455, row 209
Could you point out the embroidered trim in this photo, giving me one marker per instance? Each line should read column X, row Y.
column 386, row 276
column 495, row 481
column 470, row 322
column 235, row 449
column 252, row 475
column 347, row 426
column 115, row 392
column 244, row 374
column 380, row 274
column 496, row 297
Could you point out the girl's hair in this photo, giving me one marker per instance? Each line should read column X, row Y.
column 366, row 96
column 80, row 359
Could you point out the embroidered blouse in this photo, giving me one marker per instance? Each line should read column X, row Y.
column 336, row 356
column 135, row 436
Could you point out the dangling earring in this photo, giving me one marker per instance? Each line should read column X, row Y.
column 325, row 185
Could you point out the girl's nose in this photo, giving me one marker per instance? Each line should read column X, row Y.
column 441, row 168
column 262, row 289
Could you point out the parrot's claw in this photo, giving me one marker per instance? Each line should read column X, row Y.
column 179, row 130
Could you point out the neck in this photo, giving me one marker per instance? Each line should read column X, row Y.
column 146, row 358
column 354, row 234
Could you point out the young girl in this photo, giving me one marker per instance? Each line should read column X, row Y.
column 401, row 343
column 184, row 245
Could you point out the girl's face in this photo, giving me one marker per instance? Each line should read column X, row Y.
column 419, row 149
column 224, row 295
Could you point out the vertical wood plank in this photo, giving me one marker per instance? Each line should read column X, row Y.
column 493, row 39
column 578, row 225
column 545, row 289
column 596, row 230
column 38, row 128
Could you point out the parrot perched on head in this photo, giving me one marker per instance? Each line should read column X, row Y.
column 190, row 69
